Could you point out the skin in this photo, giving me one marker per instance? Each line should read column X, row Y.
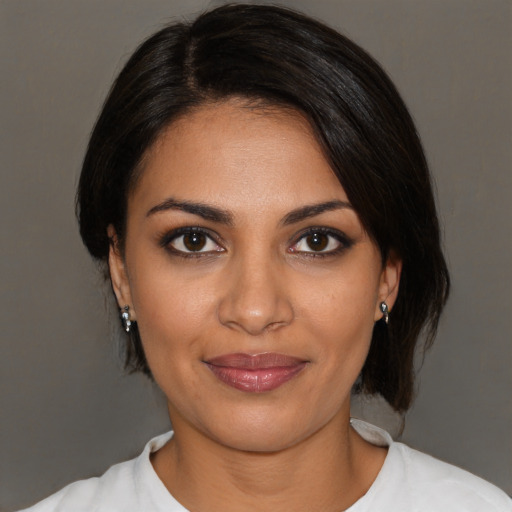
column 255, row 287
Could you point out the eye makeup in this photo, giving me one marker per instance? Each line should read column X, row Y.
column 191, row 242
column 312, row 242
column 320, row 242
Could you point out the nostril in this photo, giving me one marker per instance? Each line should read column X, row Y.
column 268, row 316
column 255, row 299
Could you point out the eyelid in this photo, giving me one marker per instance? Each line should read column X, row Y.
column 345, row 241
column 172, row 235
column 165, row 240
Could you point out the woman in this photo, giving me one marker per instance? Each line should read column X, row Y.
column 259, row 193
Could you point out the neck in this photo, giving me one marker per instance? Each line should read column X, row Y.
column 327, row 471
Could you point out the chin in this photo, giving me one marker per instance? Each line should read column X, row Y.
column 258, row 441
column 263, row 431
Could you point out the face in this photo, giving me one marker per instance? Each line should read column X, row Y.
column 253, row 282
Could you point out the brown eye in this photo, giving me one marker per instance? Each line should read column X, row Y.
column 317, row 241
column 194, row 241
column 321, row 242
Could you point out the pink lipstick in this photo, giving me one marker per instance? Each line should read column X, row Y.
column 255, row 373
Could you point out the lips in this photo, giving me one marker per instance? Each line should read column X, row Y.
column 255, row 373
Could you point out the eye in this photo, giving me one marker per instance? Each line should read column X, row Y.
column 191, row 240
column 320, row 241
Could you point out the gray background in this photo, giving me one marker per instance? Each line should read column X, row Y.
column 67, row 410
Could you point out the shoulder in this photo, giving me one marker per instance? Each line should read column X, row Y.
column 437, row 486
column 90, row 494
column 128, row 486
column 411, row 481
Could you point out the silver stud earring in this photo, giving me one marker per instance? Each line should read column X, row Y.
column 385, row 311
column 125, row 318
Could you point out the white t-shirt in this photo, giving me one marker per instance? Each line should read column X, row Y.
column 409, row 481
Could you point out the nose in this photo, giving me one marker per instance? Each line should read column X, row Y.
column 255, row 299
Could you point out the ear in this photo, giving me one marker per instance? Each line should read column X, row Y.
column 118, row 275
column 389, row 283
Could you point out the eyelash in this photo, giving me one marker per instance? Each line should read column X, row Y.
column 343, row 240
column 170, row 237
column 175, row 234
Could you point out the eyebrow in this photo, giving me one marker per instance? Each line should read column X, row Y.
column 215, row 214
column 305, row 212
column 205, row 211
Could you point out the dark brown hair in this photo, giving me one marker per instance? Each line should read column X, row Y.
column 282, row 58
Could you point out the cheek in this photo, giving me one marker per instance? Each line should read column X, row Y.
column 342, row 302
column 340, row 317
column 172, row 322
column 172, row 309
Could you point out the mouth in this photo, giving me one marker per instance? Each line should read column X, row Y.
column 255, row 373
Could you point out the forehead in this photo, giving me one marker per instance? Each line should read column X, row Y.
column 238, row 155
